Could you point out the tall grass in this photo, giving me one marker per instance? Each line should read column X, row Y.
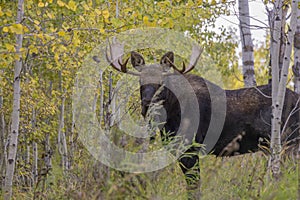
column 239, row 177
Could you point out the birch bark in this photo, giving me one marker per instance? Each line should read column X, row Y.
column 14, row 133
column 278, row 93
column 2, row 138
column 61, row 139
column 247, row 44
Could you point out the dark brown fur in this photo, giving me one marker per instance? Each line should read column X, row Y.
column 248, row 116
column 248, row 111
column 247, row 122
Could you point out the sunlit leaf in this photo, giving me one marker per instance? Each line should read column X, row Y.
column 72, row 5
column 10, row 47
column 16, row 28
column 60, row 3
column 5, row 29
column 105, row 14
column 41, row 4
column 98, row 12
column 85, row 6
column 36, row 22
column 8, row 13
column 1, row 13
column 145, row 19
column 61, row 33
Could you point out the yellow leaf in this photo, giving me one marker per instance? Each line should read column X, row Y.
column 60, row 3
column 72, row 5
column 25, row 29
column 49, row 66
column 76, row 41
column 62, row 48
column 106, row 20
column 61, row 33
column 40, row 35
column 187, row 13
column 145, row 19
column 81, row 18
column 29, row 5
column 98, row 12
column 8, row 13
column 17, row 28
column 10, row 47
column 171, row 23
column 53, row 29
column 53, row 49
column 85, row 6
column 1, row 13
column 17, row 56
column 36, row 22
column 50, row 1
column 49, row 15
column 34, row 50
column 37, row 27
column 5, row 29
column 41, row 4
column 102, row 30
column 127, row 10
column 56, row 58
column 105, row 14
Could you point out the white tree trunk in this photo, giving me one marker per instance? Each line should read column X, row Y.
column 61, row 139
column 34, row 150
column 28, row 179
column 278, row 93
column 72, row 134
column 101, row 98
column 247, row 44
column 274, row 162
column 47, row 147
column 282, row 37
column 62, row 143
column 13, row 135
column 109, row 117
column 2, row 139
column 48, row 153
column 35, row 162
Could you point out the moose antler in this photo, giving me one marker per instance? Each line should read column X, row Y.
column 116, row 51
column 196, row 52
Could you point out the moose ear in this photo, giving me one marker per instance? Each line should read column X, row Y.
column 137, row 61
column 167, row 60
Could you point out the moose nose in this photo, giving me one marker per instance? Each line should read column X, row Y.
column 146, row 101
column 145, row 105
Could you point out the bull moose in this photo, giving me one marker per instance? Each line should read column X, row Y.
column 248, row 116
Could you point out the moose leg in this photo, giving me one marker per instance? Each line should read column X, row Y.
column 190, row 167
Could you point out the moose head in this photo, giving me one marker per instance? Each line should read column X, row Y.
column 151, row 75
